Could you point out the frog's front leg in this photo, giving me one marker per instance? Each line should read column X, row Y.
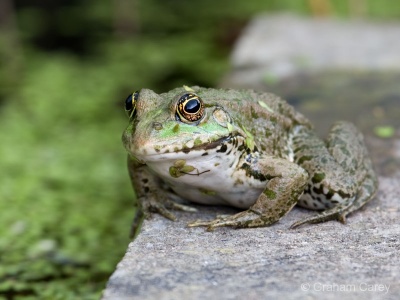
column 285, row 182
column 151, row 195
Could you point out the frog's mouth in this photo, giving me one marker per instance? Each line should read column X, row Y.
column 222, row 145
column 206, row 146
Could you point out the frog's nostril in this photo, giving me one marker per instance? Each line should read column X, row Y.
column 157, row 126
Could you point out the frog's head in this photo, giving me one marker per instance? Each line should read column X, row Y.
column 174, row 124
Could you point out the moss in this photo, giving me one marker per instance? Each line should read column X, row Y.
column 66, row 198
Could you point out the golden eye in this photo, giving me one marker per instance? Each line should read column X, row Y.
column 130, row 104
column 190, row 109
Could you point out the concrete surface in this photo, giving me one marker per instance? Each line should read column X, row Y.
column 360, row 259
column 277, row 46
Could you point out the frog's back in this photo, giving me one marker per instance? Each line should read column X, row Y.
column 270, row 105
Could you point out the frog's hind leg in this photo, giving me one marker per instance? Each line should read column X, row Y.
column 366, row 193
column 341, row 175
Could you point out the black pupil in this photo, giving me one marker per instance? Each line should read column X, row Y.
column 128, row 103
column 192, row 106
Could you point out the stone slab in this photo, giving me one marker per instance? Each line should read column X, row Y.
column 278, row 46
column 168, row 260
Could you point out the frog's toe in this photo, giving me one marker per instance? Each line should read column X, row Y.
column 245, row 218
column 342, row 218
column 203, row 223
column 162, row 206
column 211, row 225
column 154, row 206
column 338, row 213
column 178, row 206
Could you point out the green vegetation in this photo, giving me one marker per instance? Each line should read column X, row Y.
column 65, row 199
column 385, row 131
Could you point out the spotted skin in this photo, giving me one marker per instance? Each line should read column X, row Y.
column 245, row 149
column 340, row 159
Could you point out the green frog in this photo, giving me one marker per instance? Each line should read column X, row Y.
column 241, row 148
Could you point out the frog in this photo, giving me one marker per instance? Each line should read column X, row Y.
column 242, row 148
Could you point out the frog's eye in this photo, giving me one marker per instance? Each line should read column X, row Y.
column 190, row 108
column 130, row 104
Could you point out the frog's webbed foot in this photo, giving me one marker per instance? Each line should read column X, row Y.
column 366, row 193
column 156, row 204
column 336, row 213
column 162, row 206
column 245, row 218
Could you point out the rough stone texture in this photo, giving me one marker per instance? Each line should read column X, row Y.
column 281, row 45
column 168, row 260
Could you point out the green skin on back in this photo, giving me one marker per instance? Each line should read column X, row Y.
column 244, row 149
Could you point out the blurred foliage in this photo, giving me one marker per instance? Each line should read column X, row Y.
column 66, row 67
column 65, row 196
